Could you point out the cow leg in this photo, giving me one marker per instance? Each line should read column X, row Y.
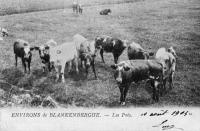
column 125, row 93
column 171, row 81
column 62, row 71
column 156, row 90
column 16, row 60
column 57, row 72
column 24, row 65
column 101, row 53
column 76, row 65
column 164, row 87
column 29, row 69
column 122, row 94
column 69, row 66
column 93, row 68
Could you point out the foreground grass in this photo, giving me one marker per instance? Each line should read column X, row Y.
column 151, row 23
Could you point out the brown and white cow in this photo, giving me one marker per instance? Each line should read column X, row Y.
column 130, row 71
column 135, row 51
column 110, row 45
column 87, row 52
column 23, row 50
column 168, row 61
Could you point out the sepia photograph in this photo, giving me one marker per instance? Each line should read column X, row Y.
column 101, row 60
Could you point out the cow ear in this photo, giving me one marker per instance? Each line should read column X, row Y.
column 114, row 66
column 151, row 53
column 46, row 47
column 37, row 48
column 126, row 68
column 32, row 48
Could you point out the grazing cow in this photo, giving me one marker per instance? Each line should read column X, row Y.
column 135, row 51
column 44, row 53
column 4, row 31
column 86, row 51
column 110, row 45
column 105, row 12
column 130, row 71
column 23, row 50
column 168, row 61
column 60, row 55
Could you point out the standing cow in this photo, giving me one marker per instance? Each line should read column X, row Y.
column 62, row 54
column 135, row 51
column 44, row 53
column 110, row 45
column 168, row 61
column 130, row 71
column 77, row 7
column 86, row 51
column 23, row 50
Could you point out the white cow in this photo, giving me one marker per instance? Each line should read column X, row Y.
column 168, row 61
column 62, row 54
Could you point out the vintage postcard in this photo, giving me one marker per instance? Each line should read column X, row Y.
column 101, row 65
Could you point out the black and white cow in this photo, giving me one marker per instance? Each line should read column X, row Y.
column 135, row 51
column 44, row 53
column 105, row 12
column 130, row 71
column 23, row 50
column 110, row 45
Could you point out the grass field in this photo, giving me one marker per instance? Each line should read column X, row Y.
column 151, row 23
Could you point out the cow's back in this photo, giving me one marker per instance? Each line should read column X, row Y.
column 66, row 51
column 139, row 70
column 78, row 40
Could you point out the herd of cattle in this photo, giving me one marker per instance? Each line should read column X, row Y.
column 156, row 71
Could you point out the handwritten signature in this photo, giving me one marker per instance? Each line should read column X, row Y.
column 165, row 126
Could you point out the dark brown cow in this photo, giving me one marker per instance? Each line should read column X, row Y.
column 110, row 45
column 130, row 71
column 23, row 50
column 105, row 12
column 135, row 51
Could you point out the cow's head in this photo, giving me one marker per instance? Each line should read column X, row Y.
column 172, row 51
column 125, row 43
column 165, row 61
column 98, row 42
column 43, row 50
column 119, row 69
column 27, row 52
column 109, row 10
column 88, row 58
column 148, row 54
